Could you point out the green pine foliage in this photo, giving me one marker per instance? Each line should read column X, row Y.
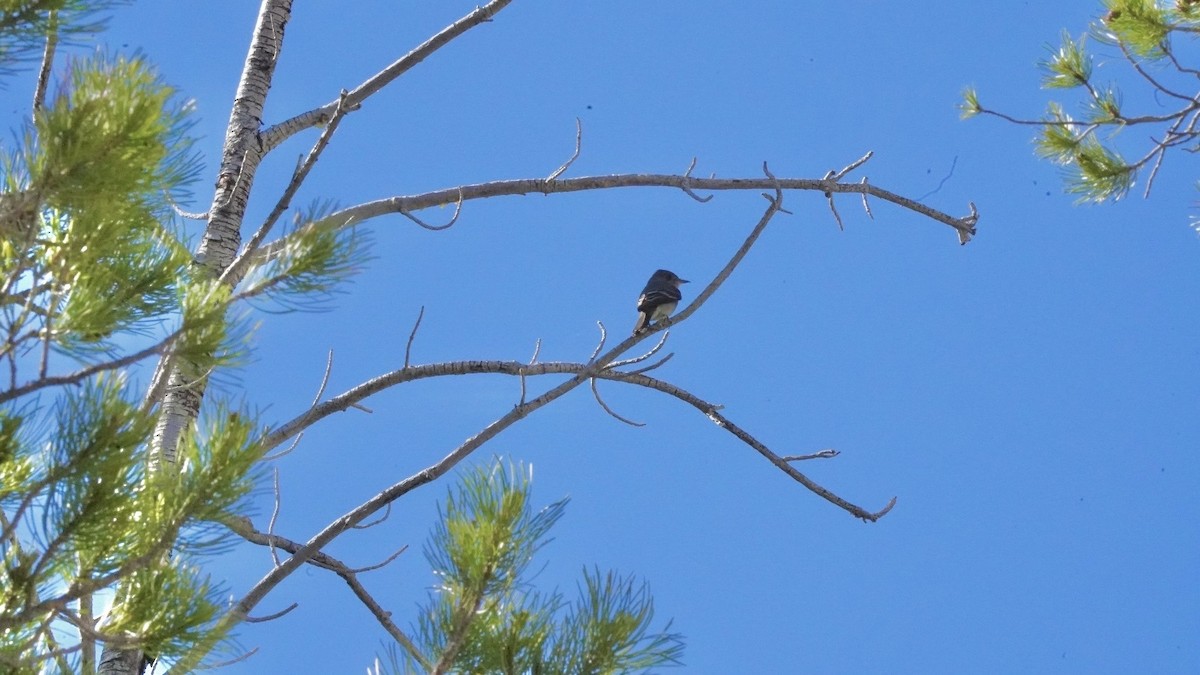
column 483, row 615
column 1142, row 34
column 24, row 25
column 102, row 547
column 96, row 283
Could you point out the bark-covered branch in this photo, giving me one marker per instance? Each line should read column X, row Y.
column 241, row 609
column 964, row 226
column 245, row 529
column 278, row 133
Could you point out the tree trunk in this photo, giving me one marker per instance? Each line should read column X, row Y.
column 222, row 237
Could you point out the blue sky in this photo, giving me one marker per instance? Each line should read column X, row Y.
column 1030, row 399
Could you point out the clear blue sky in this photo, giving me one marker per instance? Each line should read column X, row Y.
column 1031, row 398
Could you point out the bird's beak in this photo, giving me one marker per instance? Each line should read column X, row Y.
column 683, row 281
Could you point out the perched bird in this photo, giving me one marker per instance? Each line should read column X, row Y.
column 658, row 299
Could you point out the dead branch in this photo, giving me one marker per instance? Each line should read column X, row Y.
column 272, row 617
column 964, row 226
column 246, row 530
column 596, row 394
column 233, row 274
column 578, row 147
column 595, row 367
column 437, row 228
column 411, row 335
column 827, row 453
column 354, row 99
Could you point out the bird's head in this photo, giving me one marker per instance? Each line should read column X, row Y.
column 669, row 277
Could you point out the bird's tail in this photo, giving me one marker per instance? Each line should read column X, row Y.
column 641, row 323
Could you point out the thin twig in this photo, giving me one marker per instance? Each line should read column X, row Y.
column 1162, row 152
column 387, row 512
column 379, row 565
column 866, row 204
column 687, row 184
column 537, row 349
column 286, row 451
column 229, row 662
column 853, row 165
column 654, row 365
column 324, row 377
column 272, row 617
column 637, row 359
column 274, row 516
column 833, row 208
column 84, row 373
column 186, row 215
column 278, row 133
column 411, row 335
column 438, row 228
column 233, row 274
column 827, row 453
column 596, row 393
column 940, row 184
column 246, row 530
column 578, row 146
column 600, row 344
column 316, row 400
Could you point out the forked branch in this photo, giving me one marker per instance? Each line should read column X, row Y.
column 595, row 367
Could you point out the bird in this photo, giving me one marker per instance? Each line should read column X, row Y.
column 658, row 299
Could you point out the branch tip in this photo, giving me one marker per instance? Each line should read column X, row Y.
column 578, row 146
column 686, row 184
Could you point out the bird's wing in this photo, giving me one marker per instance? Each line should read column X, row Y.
column 652, row 298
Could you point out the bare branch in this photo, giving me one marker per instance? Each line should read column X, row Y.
column 243, row 527
column 1133, row 61
column 537, row 349
column 600, row 344
column 866, row 204
column 413, row 334
column 596, row 393
column 437, row 228
column 712, row 411
column 361, row 212
column 316, row 400
column 834, row 177
column 827, row 453
column 186, row 215
column 43, row 77
column 354, row 99
column 853, row 165
column 638, row 359
column 324, row 377
column 578, row 147
column 1161, row 151
column 595, row 367
column 654, row 365
column 387, row 512
column 272, row 617
column 233, row 274
column 287, row 451
column 833, row 208
column 274, row 517
column 229, row 662
column 384, row 618
column 84, row 373
column 687, row 184
column 379, row 565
